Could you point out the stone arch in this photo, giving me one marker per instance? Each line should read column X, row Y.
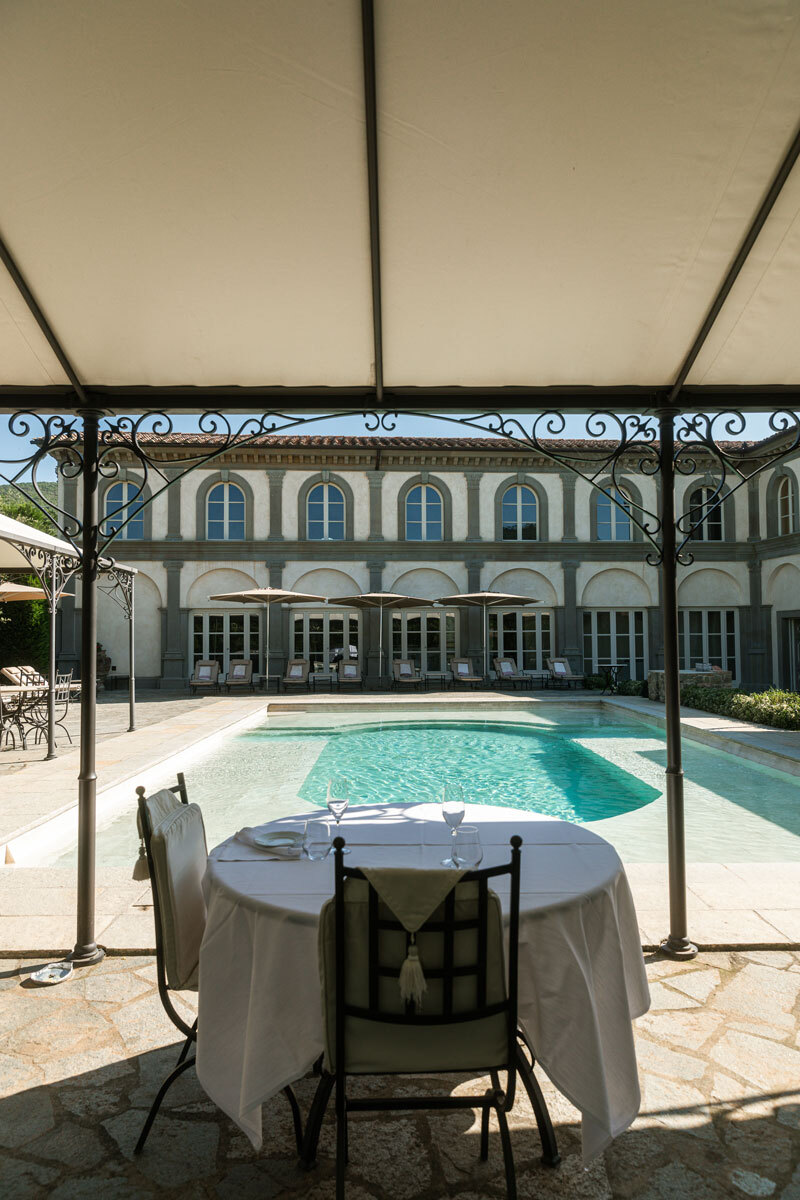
column 616, row 588
column 326, row 581
column 447, row 504
column 224, row 476
column 522, row 480
column 773, row 528
column 113, row 630
column 709, row 587
column 625, row 485
column 220, row 579
column 425, row 582
column 302, row 503
column 521, row 581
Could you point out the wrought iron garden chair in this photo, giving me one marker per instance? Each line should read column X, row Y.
column 175, row 846
column 469, row 1020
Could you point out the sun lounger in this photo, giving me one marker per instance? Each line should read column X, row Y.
column 206, row 676
column 349, row 673
column 296, row 674
column 561, row 672
column 463, row 672
column 405, row 674
column 240, row 675
column 507, row 672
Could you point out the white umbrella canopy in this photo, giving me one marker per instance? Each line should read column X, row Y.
column 381, row 601
column 268, row 596
column 19, row 591
column 486, row 600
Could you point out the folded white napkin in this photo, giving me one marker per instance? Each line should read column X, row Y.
column 277, row 843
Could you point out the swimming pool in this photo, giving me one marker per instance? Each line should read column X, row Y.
column 598, row 768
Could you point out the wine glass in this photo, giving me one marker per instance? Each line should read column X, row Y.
column 317, row 842
column 453, row 813
column 467, row 848
column 338, row 800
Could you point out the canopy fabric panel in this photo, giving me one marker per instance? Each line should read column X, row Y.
column 562, row 189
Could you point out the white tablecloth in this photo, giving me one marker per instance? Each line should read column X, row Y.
column 581, row 971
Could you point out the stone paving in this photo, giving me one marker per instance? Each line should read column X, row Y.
column 719, row 1058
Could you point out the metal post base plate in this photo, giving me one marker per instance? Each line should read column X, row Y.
column 87, row 958
column 678, row 948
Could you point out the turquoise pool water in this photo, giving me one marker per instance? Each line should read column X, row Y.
column 600, row 769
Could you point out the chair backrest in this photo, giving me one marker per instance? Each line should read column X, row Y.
column 505, row 666
column 469, row 1016
column 296, row 670
column 349, row 669
column 179, row 857
column 461, row 666
column 404, row 668
column 206, row 671
column 240, row 671
column 559, row 666
column 62, row 688
column 24, row 675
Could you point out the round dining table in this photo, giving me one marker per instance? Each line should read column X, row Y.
column 581, row 972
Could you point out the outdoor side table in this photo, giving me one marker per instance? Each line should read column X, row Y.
column 441, row 678
column 266, row 680
column 260, row 1015
column 321, row 679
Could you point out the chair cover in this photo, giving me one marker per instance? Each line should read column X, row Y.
column 178, row 847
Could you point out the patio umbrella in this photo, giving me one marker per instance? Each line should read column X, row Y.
column 486, row 600
column 268, row 596
column 381, row 601
column 19, row 591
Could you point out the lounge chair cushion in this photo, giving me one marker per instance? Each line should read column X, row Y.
column 180, row 856
column 239, row 671
column 350, row 671
column 295, row 672
column 559, row 668
column 405, row 669
column 462, row 668
column 506, row 667
column 204, row 672
column 375, row 1047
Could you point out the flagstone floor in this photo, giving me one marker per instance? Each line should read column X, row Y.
column 719, row 1057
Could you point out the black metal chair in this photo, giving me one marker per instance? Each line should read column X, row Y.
column 175, row 846
column 470, row 1018
column 38, row 715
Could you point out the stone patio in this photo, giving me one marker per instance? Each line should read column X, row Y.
column 719, row 1058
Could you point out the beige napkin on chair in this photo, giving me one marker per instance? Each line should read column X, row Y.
column 412, row 895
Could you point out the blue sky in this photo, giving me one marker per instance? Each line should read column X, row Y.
column 14, row 447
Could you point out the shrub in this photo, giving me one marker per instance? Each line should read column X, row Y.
column 773, row 707
column 595, row 681
column 632, row 687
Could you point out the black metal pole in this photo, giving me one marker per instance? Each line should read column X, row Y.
column 677, row 944
column 86, row 951
column 51, row 677
column 132, row 676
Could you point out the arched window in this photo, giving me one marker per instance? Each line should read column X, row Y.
column 786, row 512
column 325, row 513
column 120, row 504
column 225, row 513
column 423, row 514
column 613, row 515
column 519, row 515
column 710, row 527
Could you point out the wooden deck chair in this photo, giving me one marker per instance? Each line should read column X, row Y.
column 349, row 673
column 463, row 672
column 405, row 674
column 206, row 675
column 296, row 674
column 507, row 672
column 240, row 675
column 561, row 672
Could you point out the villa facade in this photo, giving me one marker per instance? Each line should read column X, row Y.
column 335, row 516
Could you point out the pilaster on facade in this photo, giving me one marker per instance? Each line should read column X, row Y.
column 570, row 647
column 275, row 568
column 473, row 480
column 173, row 504
column 174, row 673
column 375, row 481
column 753, row 510
column 275, row 476
column 376, row 567
column 568, row 499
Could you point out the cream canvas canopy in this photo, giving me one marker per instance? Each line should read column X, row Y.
column 187, row 191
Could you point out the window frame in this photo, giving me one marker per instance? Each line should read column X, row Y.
column 425, row 500
column 728, row 629
column 544, row 639
column 594, row 663
column 519, row 488
column 120, row 509
column 226, row 485
column 326, row 485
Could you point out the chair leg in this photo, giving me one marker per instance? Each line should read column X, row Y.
column 316, row 1115
column 341, row 1140
column 485, row 1128
column 296, row 1121
column 187, row 1044
column 162, row 1091
column 508, row 1154
column 550, row 1155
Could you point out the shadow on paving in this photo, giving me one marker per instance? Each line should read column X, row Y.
column 74, row 1138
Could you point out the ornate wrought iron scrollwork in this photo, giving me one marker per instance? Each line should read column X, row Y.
column 50, row 437
column 732, row 463
column 118, row 583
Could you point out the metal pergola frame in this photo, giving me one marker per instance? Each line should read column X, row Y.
column 667, row 428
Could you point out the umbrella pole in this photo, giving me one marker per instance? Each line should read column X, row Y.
column 51, row 682
column 486, row 641
column 266, row 654
column 132, row 658
column 380, row 643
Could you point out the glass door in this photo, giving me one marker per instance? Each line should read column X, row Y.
column 709, row 635
column 226, row 636
column 794, row 654
column 428, row 637
column 615, row 637
column 521, row 634
column 317, row 635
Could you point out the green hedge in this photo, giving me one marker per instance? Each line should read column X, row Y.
column 774, row 707
column 626, row 687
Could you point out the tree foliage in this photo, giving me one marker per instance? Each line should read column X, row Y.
column 24, row 624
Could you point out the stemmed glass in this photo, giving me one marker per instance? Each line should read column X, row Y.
column 338, row 800
column 453, row 813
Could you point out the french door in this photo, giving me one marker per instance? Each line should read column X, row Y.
column 709, row 635
column 520, row 634
column 615, row 637
column 226, row 636
column 316, row 635
column 428, row 637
